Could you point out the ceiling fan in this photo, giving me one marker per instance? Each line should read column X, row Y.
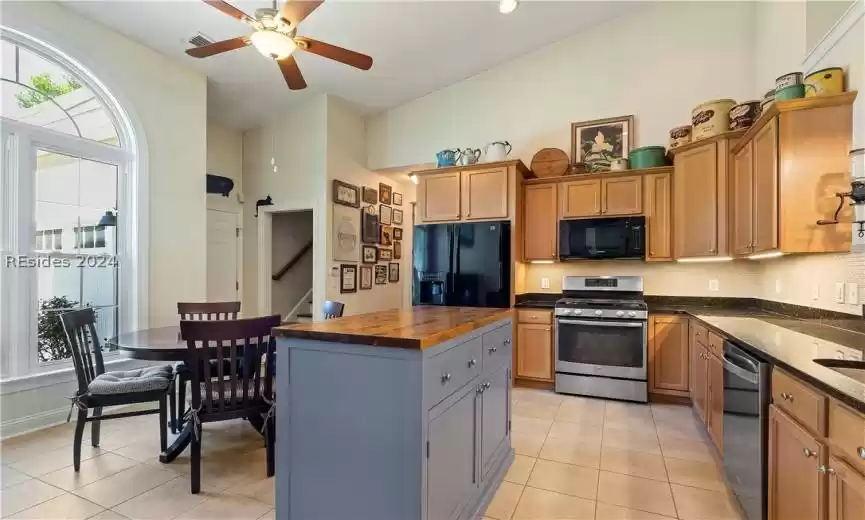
column 276, row 37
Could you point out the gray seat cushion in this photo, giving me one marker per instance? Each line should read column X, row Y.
column 132, row 381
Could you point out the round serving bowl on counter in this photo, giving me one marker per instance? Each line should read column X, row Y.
column 680, row 135
column 711, row 118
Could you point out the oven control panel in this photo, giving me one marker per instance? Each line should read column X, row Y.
column 601, row 313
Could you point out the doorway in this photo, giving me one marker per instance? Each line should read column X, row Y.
column 223, row 234
column 291, row 262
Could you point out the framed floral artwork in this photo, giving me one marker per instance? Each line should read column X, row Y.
column 384, row 193
column 599, row 142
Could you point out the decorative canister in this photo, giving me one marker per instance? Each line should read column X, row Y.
column 790, row 92
column 711, row 118
column 743, row 115
column 647, row 157
column 791, row 78
column 768, row 99
column 680, row 135
column 826, row 81
column 618, row 165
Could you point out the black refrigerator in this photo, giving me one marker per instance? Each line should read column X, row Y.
column 462, row 265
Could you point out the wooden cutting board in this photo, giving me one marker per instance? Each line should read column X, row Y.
column 550, row 162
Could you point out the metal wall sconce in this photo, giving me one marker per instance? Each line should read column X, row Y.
column 109, row 219
column 267, row 201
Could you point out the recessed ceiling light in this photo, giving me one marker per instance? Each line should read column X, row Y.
column 508, row 6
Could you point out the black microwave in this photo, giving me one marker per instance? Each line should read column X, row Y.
column 615, row 237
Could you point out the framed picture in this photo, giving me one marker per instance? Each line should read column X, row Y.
column 397, row 217
column 370, row 196
column 347, row 278
column 385, row 236
column 393, row 272
column 385, row 215
column 384, row 193
column 599, row 142
column 397, row 199
column 346, row 194
column 345, row 236
column 381, row 275
column 397, row 249
column 397, row 233
column 369, row 225
column 368, row 254
column 366, row 277
column 385, row 255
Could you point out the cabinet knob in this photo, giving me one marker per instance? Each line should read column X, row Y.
column 861, row 452
column 473, row 362
column 446, row 377
column 712, row 250
column 508, row 341
column 493, row 350
column 825, row 470
column 487, row 385
column 787, row 396
column 652, row 253
column 809, row 453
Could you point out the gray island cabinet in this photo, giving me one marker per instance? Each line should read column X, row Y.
column 395, row 415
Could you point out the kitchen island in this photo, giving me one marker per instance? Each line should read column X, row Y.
column 393, row 415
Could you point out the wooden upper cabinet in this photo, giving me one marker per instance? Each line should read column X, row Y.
column 696, row 197
column 846, row 492
column 622, row 196
column 541, row 222
column 580, row 198
column 765, row 199
column 668, row 355
column 485, row 194
column 438, row 197
column 742, row 202
column 715, row 404
column 659, row 214
column 796, row 485
column 534, row 357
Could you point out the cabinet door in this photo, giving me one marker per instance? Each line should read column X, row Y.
column 622, row 196
column 485, row 194
column 846, row 492
column 438, row 197
column 695, row 194
column 580, row 198
column 451, row 464
column 796, row 486
column 766, row 188
column 495, row 416
column 742, row 202
column 535, row 351
column 540, row 222
column 668, row 360
column 715, row 406
column 699, row 382
column 659, row 216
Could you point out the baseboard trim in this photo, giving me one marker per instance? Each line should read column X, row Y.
column 531, row 383
column 835, row 34
column 30, row 423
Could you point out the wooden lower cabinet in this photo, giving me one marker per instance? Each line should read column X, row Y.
column 534, row 356
column 699, row 373
column 846, row 492
column 715, row 402
column 668, row 355
column 797, row 487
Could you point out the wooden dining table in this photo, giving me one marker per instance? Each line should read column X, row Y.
column 165, row 344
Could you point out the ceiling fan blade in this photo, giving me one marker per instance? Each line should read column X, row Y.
column 228, row 9
column 218, row 47
column 296, row 10
column 355, row 59
column 291, row 73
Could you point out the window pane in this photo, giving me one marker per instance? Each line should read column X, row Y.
column 59, row 290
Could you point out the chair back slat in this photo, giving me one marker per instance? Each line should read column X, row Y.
column 80, row 328
column 239, row 349
column 208, row 311
column 333, row 309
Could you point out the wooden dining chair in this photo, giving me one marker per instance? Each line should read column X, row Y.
column 202, row 311
column 98, row 388
column 242, row 352
column 333, row 309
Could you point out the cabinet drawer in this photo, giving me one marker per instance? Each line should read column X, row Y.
column 536, row 316
column 847, row 434
column 716, row 345
column 805, row 404
column 699, row 334
column 449, row 371
column 498, row 347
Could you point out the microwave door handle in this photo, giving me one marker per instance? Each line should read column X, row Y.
column 627, row 324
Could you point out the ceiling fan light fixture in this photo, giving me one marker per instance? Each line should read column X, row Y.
column 508, row 6
column 273, row 44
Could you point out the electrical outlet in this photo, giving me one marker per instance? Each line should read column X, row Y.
column 815, row 292
column 545, row 283
column 777, row 286
column 714, row 285
column 852, row 290
column 839, row 292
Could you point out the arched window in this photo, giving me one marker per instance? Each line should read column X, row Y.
column 67, row 204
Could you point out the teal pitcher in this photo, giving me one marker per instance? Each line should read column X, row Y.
column 447, row 158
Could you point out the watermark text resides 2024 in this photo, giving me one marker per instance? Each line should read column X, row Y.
column 43, row 261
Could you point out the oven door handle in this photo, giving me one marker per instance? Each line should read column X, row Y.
column 631, row 324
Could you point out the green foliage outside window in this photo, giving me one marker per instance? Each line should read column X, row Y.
column 52, row 337
column 45, row 88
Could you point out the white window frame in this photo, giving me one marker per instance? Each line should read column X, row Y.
column 17, row 233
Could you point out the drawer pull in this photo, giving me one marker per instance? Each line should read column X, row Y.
column 825, row 470
column 472, row 362
column 508, row 341
column 861, row 452
column 787, row 396
column 809, row 453
column 487, row 385
column 493, row 350
column 446, row 377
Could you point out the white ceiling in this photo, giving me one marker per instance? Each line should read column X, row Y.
column 418, row 47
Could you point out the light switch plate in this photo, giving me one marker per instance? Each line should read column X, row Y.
column 714, row 285
column 852, row 290
column 839, row 292
column 545, row 283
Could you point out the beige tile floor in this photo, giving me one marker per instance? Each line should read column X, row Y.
column 576, row 458
column 579, row 458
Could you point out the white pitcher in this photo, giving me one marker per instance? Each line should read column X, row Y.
column 497, row 151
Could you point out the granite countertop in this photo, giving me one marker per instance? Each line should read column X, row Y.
column 417, row 328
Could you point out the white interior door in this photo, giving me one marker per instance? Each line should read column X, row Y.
column 222, row 280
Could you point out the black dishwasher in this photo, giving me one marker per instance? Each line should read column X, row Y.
column 746, row 412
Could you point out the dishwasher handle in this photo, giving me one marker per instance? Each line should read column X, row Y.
column 733, row 368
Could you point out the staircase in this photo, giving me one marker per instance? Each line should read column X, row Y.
column 302, row 310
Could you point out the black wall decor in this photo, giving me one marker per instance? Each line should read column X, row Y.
column 219, row 185
column 267, row 201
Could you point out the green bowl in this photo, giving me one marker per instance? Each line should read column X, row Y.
column 647, row 157
column 790, row 92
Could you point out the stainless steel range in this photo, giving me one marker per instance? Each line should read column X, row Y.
column 602, row 338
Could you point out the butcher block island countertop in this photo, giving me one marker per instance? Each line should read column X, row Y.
column 417, row 328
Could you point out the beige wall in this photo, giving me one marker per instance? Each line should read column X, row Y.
column 779, row 32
